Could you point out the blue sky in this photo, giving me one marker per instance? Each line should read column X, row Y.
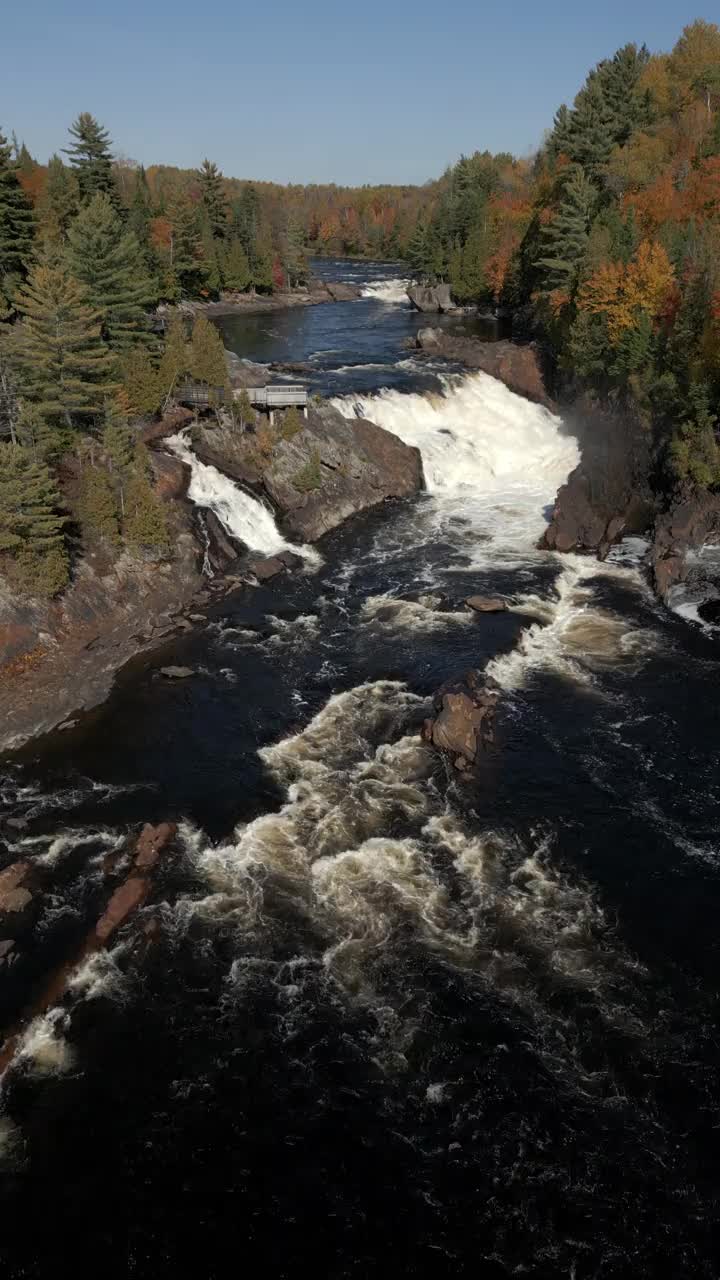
column 311, row 91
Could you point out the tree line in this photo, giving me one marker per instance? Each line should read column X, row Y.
column 606, row 245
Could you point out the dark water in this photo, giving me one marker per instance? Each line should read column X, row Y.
column 391, row 1023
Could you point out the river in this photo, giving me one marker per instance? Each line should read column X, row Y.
column 391, row 1022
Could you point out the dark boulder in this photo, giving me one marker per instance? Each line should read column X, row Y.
column 341, row 292
column 486, row 604
column 171, row 476
column 685, row 527
column 265, row 567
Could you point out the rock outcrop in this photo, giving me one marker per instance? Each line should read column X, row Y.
column 608, row 495
column 60, row 656
column 331, row 469
column 519, row 367
column 463, row 725
column 486, row 604
column 686, row 527
column 431, row 298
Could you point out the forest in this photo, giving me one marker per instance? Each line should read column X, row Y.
column 604, row 246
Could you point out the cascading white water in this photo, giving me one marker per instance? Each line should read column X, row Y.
column 391, row 291
column 244, row 517
column 488, row 454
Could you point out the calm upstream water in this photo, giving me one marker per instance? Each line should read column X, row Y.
column 391, row 1023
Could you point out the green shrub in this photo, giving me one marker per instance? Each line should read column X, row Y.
column 308, row 477
column 97, row 505
column 291, row 424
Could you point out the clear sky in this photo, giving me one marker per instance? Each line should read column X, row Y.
column 312, row 90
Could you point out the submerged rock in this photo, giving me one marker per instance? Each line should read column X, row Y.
column 486, row 604
column 463, row 724
column 176, row 673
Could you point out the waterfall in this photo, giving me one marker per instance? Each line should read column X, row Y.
column 245, row 517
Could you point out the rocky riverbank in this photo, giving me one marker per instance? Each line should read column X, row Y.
column 314, row 293
column 60, row 657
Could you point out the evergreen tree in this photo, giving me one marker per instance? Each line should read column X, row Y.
column 213, row 199
column 64, row 368
column 564, row 240
column 141, row 382
column 294, row 259
column 236, row 268
column 245, row 220
column 91, row 158
column 418, row 254
column 212, row 262
column 175, row 359
column 186, row 269
column 32, row 545
column 139, row 219
column 97, row 505
column 262, row 264
column 106, row 259
column 46, row 440
column 207, row 354
column 60, row 201
column 16, row 228
column 144, row 525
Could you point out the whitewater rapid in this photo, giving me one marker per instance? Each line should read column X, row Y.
column 245, row 517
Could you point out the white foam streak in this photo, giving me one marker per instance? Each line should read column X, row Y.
column 43, row 1048
column 246, row 518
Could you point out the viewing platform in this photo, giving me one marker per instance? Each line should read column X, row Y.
column 197, row 395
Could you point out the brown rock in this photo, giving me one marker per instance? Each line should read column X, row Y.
column 519, row 367
column 123, row 902
column 12, row 880
column 266, row 567
column 151, row 842
column 341, row 292
column 177, row 673
column 172, row 476
column 463, row 723
column 486, row 604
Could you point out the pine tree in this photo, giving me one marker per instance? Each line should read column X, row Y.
column 294, row 259
column 141, row 382
column 213, row 199
column 243, row 411
column 207, row 354
column 565, row 238
column 175, row 359
column 186, row 269
column 139, row 219
column 418, row 255
column 236, row 268
column 245, row 220
column 91, row 158
column 262, row 260
column 16, row 228
column 31, row 524
column 46, row 440
column 64, row 368
column 106, row 259
column 60, row 201
column 97, row 505
column 212, row 262
column 145, row 526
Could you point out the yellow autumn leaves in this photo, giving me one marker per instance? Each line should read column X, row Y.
column 620, row 291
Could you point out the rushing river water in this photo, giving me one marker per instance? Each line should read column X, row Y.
column 391, row 1024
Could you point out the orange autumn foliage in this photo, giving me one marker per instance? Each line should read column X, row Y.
column 620, row 292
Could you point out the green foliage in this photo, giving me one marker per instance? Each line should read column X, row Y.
column 32, row 546
column 694, row 449
column 243, row 410
column 16, row 228
column 141, row 382
column 106, row 259
column 144, row 525
column 64, row 368
column 308, row 477
column 565, row 239
column 293, row 258
column 186, row 272
column 207, row 354
column 175, row 359
column 236, row 268
column 212, row 193
column 91, row 158
column 291, row 424
column 60, row 201
column 97, row 505
column 45, row 440
column 119, row 442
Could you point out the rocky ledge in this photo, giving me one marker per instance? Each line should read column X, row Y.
column 314, row 293
column 329, row 470
column 519, row 367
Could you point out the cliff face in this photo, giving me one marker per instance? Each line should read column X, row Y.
column 58, row 657
column 331, row 469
